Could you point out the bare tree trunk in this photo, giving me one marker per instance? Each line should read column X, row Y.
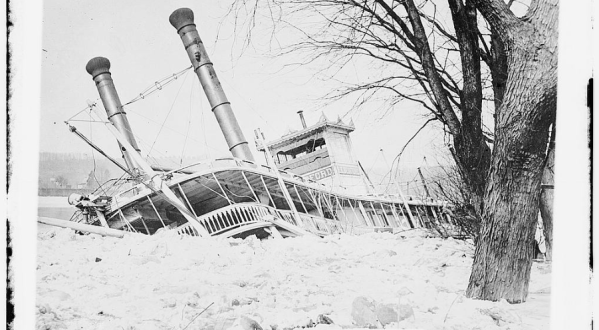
column 505, row 248
column 472, row 155
column 498, row 66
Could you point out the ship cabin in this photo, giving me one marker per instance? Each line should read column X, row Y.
column 322, row 153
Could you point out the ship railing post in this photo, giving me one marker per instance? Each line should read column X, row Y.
column 268, row 192
column 186, row 200
column 367, row 220
column 250, row 186
column 342, row 211
column 329, row 205
column 400, row 210
column 386, row 218
column 405, row 202
column 316, row 202
column 355, row 215
column 102, row 218
column 271, row 163
column 126, row 221
column 145, row 226
column 423, row 220
column 395, row 215
column 376, row 215
column 155, row 210
column 221, row 189
column 300, row 199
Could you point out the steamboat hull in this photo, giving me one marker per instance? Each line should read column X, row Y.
column 232, row 197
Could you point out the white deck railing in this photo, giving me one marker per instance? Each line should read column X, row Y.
column 233, row 216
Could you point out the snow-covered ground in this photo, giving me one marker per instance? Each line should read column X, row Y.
column 406, row 281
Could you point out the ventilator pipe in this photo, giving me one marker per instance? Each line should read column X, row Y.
column 99, row 69
column 301, row 114
column 182, row 20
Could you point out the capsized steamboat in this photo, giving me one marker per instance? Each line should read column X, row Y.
column 311, row 185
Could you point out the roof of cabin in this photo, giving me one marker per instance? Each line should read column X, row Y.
column 322, row 123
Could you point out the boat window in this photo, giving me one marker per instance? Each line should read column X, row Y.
column 302, row 150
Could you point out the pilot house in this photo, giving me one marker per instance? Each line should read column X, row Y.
column 321, row 152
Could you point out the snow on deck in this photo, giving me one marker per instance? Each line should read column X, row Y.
column 165, row 281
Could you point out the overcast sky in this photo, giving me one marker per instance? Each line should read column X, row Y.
column 142, row 51
column 143, row 48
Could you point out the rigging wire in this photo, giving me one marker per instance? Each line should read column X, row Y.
column 146, row 144
column 169, row 112
column 203, row 124
column 93, row 154
column 230, row 86
column 158, row 123
column 226, row 188
column 85, row 121
column 158, row 85
column 142, row 142
column 83, row 110
column 164, row 126
column 188, row 127
column 214, row 191
column 153, row 158
column 374, row 162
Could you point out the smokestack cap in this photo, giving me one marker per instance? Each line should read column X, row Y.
column 181, row 17
column 97, row 66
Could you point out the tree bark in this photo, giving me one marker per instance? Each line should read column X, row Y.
column 498, row 66
column 472, row 154
column 505, row 248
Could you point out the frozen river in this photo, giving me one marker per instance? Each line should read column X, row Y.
column 406, row 280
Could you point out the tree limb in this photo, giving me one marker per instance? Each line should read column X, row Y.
column 499, row 16
column 421, row 42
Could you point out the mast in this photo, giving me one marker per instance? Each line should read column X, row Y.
column 183, row 21
column 428, row 195
column 96, row 148
column 99, row 69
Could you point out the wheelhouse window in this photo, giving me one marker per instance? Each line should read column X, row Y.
column 311, row 146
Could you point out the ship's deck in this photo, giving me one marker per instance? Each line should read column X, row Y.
column 228, row 193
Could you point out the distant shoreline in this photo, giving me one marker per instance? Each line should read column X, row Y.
column 55, row 207
column 62, row 192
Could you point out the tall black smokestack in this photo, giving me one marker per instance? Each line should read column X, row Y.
column 182, row 20
column 99, row 69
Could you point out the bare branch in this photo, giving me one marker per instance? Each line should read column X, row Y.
column 398, row 157
column 428, row 65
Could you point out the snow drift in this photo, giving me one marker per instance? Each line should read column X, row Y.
column 407, row 280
